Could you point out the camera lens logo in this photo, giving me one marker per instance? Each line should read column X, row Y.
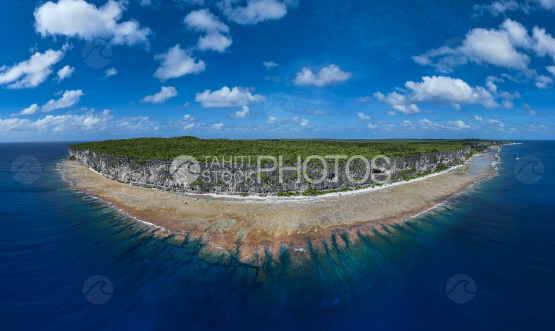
column 529, row 169
column 461, row 288
column 26, row 169
column 185, row 169
column 97, row 54
column 98, row 289
column 279, row 106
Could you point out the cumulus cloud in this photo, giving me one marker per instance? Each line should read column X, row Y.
column 110, row 72
column 68, row 99
column 544, row 43
column 498, row 7
column 89, row 121
column 326, row 76
column 495, row 47
column 215, row 37
column 32, row 72
column 33, row 109
column 162, row 96
column 443, row 90
column 65, row 72
column 226, row 97
column 145, row 3
column 241, row 113
column 80, row 19
column 255, row 11
column 551, row 69
column 365, row 117
column 426, row 124
column 498, row 47
column 305, row 123
column 176, row 63
column 270, row 65
column 543, row 82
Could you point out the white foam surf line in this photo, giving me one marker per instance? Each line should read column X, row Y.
column 425, row 211
column 113, row 206
column 337, row 194
column 306, row 198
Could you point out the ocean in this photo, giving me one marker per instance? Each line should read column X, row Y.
column 484, row 260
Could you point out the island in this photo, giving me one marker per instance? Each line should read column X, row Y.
column 261, row 202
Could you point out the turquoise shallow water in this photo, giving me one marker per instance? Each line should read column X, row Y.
column 484, row 260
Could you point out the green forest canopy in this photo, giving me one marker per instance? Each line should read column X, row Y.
column 170, row 148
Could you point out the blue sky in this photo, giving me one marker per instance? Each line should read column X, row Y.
column 93, row 70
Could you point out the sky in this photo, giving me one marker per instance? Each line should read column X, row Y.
column 81, row 70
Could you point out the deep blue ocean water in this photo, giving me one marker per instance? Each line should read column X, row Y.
column 483, row 261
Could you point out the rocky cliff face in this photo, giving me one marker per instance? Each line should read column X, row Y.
column 234, row 178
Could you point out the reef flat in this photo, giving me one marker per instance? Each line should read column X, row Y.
column 251, row 231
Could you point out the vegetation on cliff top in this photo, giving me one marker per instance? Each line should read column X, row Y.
column 170, row 148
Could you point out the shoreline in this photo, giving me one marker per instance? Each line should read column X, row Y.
column 249, row 230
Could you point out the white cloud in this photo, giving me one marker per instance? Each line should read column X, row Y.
column 305, row 122
column 65, row 72
column 238, row 96
column 32, row 72
column 543, row 82
column 441, row 90
column 162, row 96
column 495, row 47
column 77, row 18
column 551, row 69
column 544, row 43
column 217, row 126
column 391, row 113
column 68, row 99
column 110, row 72
column 326, row 76
column 270, row 65
column 204, row 21
column 241, row 113
column 89, row 121
column 215, row 42
column 364, row 117
column 33, row 109
column 507, row 104
column 185, row 105
column 498, row 7
column 145, row 3
column 176, row 63
column 426, row 124
column 255, row 11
